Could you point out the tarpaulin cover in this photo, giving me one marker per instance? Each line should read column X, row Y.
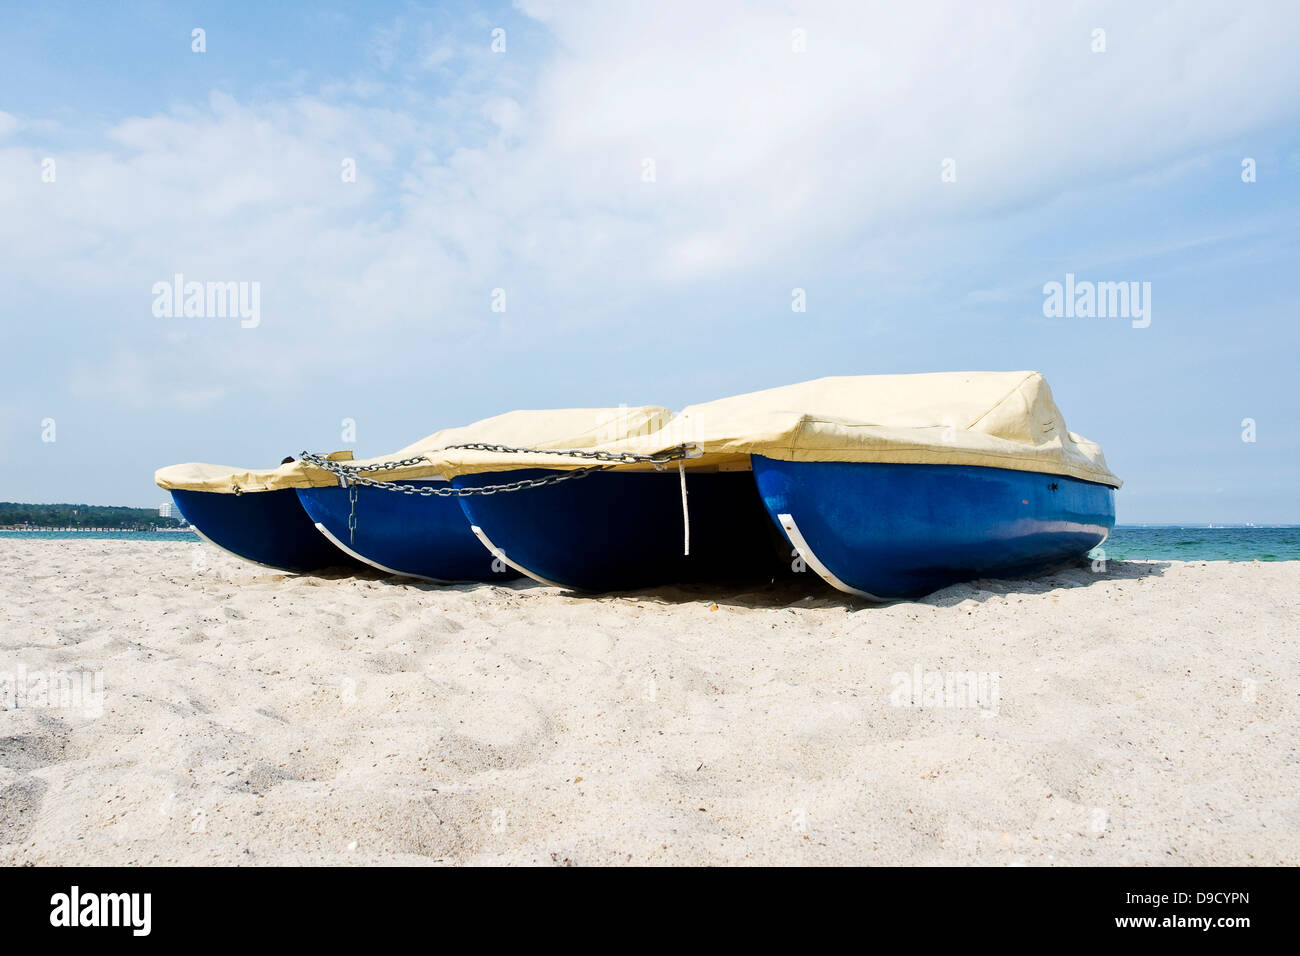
column 993, row 419
column 577, row 428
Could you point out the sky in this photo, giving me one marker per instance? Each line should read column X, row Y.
column 449, row 211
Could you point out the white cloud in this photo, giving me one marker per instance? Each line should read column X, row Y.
column 765, row 159
column 542, row 10
column 385, row 41
column 774, row 149
column 504, row 113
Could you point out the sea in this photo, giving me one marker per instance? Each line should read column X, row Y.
column 1193, row 543
column 1126, row 542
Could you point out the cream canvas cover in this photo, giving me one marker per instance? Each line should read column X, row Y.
column 993, row 419
column 551, row 428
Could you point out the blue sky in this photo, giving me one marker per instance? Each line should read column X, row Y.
column 524, row 170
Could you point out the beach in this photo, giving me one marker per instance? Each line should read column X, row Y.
column 211, row 711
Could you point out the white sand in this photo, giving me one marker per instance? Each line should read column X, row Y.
column 1145, row 715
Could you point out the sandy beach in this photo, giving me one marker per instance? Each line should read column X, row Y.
column 1144, row 713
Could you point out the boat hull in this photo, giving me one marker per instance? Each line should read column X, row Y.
column 265, row 527
column 618, row 531
column 891, row 531
column 417, row 536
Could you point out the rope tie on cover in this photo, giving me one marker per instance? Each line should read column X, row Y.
column 686, row 515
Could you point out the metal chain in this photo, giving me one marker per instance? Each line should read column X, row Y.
column 350, row 474
column 353, row 467
column 352, row 515
column 349, row 477
column 663, row 458
column 622, row 458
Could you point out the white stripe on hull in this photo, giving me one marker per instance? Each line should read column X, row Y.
column 375, row 564
column 797, row 539
column 501, row 556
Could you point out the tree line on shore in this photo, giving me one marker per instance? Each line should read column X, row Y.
column 15, row 514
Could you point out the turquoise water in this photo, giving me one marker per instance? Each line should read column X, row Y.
column 1203, row 544
column 182, row 536
column 1125, row 543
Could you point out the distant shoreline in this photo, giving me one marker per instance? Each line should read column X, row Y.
column 18, row 527
column 77, row 517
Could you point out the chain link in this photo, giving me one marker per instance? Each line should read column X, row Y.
column 621, row 458
column 351, row 474
column 350, row 477
column 353, row 467
column 352, row 515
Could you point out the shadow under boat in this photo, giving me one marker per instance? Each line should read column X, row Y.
column 412, row 535
column 266, row 527
column 615, row 531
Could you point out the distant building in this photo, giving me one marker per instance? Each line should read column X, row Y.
column 167, row 510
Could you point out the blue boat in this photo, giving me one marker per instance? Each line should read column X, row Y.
column 265, row 527
column 619, row 531
column 887, row 486
column 376, row 514
column 886, row 531
column 415, row 536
